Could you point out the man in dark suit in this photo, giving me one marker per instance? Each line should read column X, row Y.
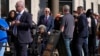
column 82, row 42
column 47, row 20
column 21, row 30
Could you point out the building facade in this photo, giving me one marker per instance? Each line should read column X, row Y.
column 36, row 7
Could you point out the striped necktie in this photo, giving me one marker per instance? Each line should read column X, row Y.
column 15, row 27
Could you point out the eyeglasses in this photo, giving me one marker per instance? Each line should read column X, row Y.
column 46, row 11
column 18, row 6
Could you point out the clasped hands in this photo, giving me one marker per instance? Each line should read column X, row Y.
column 15, row 22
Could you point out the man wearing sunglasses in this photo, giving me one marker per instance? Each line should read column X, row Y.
column 47, row 20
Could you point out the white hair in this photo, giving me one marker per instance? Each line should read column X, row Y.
column 20, row 3
column 42, row 26
column 47, row 9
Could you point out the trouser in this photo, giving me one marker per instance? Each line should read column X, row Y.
column 92, row 45
column 41, row 47
column 2, row 49
column 81, row 43
column 21, row 49
column 67, row 44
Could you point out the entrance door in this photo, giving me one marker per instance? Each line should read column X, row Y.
column 4, row 8
column 28, row 5
column 65, row 2
column 50, row 4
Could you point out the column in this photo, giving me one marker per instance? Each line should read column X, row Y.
column 35, row 9
column 12, row 4
column 75, row 4
column 95, row 6
column 88, row 4
column 55, row 7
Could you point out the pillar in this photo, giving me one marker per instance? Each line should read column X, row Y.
column 75, row 4
column 55, row 7
column 12, row 4
column 35, row 9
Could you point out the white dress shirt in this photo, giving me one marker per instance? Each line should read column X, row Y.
column 89, row 21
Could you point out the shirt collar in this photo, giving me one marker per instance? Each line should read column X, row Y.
column 47, row 16
column 21, row 12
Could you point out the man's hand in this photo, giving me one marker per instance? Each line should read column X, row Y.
column 62, row 29
column 17, row 22
column 49, row 33
column 13, row 23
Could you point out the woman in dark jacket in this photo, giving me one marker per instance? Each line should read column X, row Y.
column 92, row 32
column 57, row 22
column 10, row 18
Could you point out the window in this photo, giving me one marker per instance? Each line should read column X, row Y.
column 99, row 8
column 84, row 3
column 4, row 8
column 92, row 6
column 65, row 2
column 28, row 5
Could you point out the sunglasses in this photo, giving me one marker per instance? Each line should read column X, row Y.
column 46, row 11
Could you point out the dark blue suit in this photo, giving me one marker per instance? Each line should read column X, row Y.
column 23, row 34
column 81, row 40
column 83, row 26
column 49, row 24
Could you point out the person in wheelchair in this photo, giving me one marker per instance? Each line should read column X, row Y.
column 41, row 38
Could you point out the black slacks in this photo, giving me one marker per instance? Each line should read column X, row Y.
column 78, row 45
column 91, row 45
column 21, row 49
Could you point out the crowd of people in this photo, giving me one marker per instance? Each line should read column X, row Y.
column 80, row 30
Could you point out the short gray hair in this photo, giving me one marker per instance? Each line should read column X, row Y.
column 66, row 7
column 42, row 26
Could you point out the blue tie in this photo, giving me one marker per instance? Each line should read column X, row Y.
column 15, row 27
column 46, row 19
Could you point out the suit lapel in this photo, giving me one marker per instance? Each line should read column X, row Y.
column 21, row 18
column 49, row 19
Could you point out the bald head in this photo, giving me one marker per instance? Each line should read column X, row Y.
column 20, row 6
column 47, row 11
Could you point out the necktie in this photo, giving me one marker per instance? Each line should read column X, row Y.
column 46, row 19
column 15, row 27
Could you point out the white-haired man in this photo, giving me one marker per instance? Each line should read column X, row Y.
column 47, row 20
column 67, row 28
column 21, row 30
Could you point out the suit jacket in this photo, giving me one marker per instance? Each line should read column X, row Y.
column 50, row 23
column 23, row 29
column 82, row 26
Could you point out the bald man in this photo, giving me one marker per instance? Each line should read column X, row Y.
column 47, row 20
column 21, row 30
